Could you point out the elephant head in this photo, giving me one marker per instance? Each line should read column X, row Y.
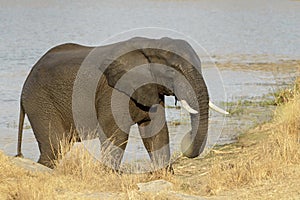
column 148, row 69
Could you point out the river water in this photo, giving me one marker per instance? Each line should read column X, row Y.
column 265, row 30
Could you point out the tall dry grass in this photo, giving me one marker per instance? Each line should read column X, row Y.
column 76, row 173
column 271, row 159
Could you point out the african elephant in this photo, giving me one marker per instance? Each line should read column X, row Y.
column 48, row 95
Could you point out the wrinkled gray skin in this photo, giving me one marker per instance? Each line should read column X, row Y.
column 47, row 97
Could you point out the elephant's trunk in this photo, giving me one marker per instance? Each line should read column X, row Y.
column 194, row 141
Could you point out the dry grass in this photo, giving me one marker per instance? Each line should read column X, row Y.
column 269, row 160
column 77, row 173
column 17, row 183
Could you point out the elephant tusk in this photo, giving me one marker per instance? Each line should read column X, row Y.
column 186, row 106
column 216, row 108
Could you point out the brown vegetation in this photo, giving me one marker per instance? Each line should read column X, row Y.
column 75, row 174
column 268, row 154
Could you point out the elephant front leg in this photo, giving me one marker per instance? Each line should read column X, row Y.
column 113, row 145
column 157, row 145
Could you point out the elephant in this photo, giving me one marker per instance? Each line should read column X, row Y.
column 170, row 66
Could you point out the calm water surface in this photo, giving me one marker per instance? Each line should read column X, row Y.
column 231, row 27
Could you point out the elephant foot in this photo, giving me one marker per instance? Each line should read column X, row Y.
column 46, row 162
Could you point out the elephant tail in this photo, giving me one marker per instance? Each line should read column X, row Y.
column 20, row 133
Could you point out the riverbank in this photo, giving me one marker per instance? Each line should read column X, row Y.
column 264, row 163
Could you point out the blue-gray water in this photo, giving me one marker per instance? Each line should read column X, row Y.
column 269, row 29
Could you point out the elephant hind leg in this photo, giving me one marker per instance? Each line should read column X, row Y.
column 55, row 146
column 48, row 158
column 52, row 137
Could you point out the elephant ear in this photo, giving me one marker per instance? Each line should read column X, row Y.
column 130, row 74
